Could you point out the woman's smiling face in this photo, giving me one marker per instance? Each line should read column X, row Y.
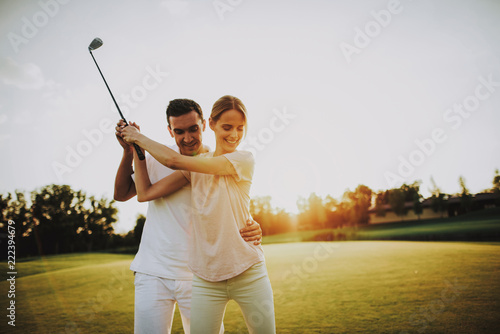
column 229, row 130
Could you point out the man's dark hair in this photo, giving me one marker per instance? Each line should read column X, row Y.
column 179, row 107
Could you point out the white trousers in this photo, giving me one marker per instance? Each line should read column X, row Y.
column 155, row 299
column 251, row 290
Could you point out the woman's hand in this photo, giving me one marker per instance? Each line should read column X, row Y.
column 119, row 126
column 130, row 134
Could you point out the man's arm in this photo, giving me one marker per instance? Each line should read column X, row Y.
column 124, row 185
column 252, row 232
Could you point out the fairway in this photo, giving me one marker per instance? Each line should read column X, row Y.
column 319, row 287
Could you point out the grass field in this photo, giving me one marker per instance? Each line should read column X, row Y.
column 320, row 287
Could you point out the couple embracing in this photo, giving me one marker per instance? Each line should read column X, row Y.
column 200, row 247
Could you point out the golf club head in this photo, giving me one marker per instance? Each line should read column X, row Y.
column 95, row 44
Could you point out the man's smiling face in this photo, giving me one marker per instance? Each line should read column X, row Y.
column 187, row 131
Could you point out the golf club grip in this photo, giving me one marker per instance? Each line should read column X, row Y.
column 139, row 152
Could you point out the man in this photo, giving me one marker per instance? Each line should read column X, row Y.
column 162, row 276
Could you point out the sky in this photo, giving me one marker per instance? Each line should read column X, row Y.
column 339, row 93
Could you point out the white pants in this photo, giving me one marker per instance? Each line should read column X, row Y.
column 251, row 290
column 155, row 299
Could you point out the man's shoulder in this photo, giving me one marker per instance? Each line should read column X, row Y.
column 153, row 163
column 206, row 154
column 151, row 160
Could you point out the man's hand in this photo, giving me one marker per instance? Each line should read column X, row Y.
column 252, row 232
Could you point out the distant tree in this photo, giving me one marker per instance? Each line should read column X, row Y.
column 316, row 211
column 303, row 219
column 358, row 202
column 407, row 193
column 306, row 219
column 16, row 208
column 381, row 199
column 411, row 191
column 127, row 240
column 438, row 199
column 55, row 222
column 302, row 204
column 57, row 219
column 282, row 222
column 465, row 196
column 496, row 186
column 271, row 220
column 97, row 226
column 417, row 205
column 330, row 203
column 261, row 211
column 439, row 203
column 397, row 201
column 64, row 220
column 412, row 194
column 343, row 213
column 331, row 206
column 363, row 203
column 4, row 204
column 496, row 181
column 139, row 227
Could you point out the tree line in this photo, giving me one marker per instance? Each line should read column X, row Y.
column 316, row 212
column 57, row 219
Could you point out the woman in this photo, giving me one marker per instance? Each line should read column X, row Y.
column 224, row 265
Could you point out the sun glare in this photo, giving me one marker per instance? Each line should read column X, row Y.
column 288, row 181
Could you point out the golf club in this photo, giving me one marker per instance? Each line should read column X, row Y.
column 95, row 44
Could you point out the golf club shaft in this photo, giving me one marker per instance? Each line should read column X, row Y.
column 137, row 148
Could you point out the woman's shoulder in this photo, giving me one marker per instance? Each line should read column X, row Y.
column 242, row 153
column 241, row 156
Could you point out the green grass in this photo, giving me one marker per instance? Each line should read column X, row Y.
column 37, row 265
column 434, row 230
column 341, row 287
column 296, row 236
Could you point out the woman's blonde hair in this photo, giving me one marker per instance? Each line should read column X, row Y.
column 225, row 103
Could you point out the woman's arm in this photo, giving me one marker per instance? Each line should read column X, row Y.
column 147, row 191
column 166, row 186
column 168, row 157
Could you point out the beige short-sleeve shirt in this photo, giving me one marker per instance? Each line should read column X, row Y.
column 220, row 208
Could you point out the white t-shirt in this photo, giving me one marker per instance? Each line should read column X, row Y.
column 165, row 241
column 221, row 207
